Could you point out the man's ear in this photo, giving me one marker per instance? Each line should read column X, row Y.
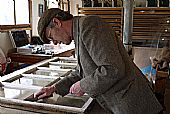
column 57, row 23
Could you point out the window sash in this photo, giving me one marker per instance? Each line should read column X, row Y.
column 15, row 14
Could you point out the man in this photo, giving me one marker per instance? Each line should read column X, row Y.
column 105, row 71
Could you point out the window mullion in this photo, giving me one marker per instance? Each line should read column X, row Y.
column 14, row 13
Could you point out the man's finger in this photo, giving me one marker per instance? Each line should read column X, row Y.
column 71, row 90
column 39, row 93
column 45, row 96
column 42, row 96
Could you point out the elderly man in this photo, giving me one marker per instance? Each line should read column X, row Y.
column 104, row 71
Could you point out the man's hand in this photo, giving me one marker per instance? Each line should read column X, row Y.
column 45, row 92
column 76, row 89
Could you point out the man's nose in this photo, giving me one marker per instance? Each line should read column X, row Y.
column 55, row 42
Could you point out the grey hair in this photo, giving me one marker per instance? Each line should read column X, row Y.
column 50, row 25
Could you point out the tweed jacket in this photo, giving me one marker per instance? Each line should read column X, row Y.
column 106, row 72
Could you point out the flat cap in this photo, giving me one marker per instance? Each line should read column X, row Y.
column 44, row 20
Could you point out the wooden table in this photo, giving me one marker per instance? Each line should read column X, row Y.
column 29, row 58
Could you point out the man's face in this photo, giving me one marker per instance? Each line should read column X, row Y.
column 58, row 34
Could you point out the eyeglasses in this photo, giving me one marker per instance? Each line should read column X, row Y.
column 49, row 35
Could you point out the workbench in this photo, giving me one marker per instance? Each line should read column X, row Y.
column 29, row 58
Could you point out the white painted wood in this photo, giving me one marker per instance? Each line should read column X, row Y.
column 68, row 59
column 53, row 69
column 39, row 107
column 33, row 76
column 21, row 86
column 86, row 105
column 18, row 72
column 35, row 106
column 64, row 64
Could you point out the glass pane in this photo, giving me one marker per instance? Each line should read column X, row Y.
column 68, row 100
column 7, row 12
column 163, row 3
column 152, row 3
column 22, row 12
column 33, row 81
column 14, row 93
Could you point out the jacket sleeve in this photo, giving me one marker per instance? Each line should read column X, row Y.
column 63, row 86
column 99, row 40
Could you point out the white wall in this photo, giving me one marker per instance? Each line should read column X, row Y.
column 35, row 16
column 73, row 9
column 5, row 42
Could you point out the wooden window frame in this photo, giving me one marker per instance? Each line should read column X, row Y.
column 4, row 28
column 29, row 103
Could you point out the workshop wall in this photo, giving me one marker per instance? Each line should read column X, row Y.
column 5, row 42
column 35, row 16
